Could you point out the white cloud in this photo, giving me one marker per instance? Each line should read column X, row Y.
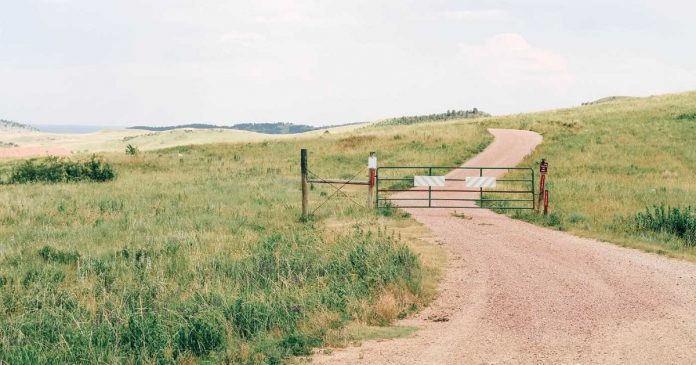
column 326, row 61
column 290, row 17
column 246, row 39
column 475, row 15
column 509, row 58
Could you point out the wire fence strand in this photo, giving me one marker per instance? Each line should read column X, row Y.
column 337, row 189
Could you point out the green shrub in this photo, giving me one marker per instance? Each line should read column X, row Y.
column 577, row 217
column 675, row 221
column 132, row 150
column 202, row 334
column 299, row 344
column 55, row 170
column 51, row 254
column 687, row 116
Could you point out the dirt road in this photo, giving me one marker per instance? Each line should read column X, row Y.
column 517, row 293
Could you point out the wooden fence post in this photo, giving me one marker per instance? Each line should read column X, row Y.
column 305, row 190
column 372, row 167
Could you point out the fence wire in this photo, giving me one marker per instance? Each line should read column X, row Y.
column 337, row 189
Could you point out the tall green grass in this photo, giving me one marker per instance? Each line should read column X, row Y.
column 674, row 221
column 203, row 257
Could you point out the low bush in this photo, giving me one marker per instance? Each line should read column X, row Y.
column 132, row 150
column 675, row 221
column 553, row 220
column 55, row 170
column 687, row 116
column 50, row 254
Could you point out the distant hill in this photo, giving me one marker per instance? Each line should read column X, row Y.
column 605, row 100
column 267, row 128
column 448, row 115
column 274, row 128
column 291, row 128
column 8, row 126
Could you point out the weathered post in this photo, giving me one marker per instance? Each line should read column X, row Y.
column 372, row 168
column 305, row 190
column 543, row 170
column 546, row 202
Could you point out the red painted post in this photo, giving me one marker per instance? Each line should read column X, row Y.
column 546, row 202
column 543, row 169
column 542, row 187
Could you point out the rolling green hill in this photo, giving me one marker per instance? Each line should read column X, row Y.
column 197, row 253
column 441, row 117
column 613, row 160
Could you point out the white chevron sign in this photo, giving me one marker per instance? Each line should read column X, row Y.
column 428, row 181
column 480, row 182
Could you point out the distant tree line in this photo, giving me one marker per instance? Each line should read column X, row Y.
column 274, row 128
column 8, row 124
column 448, row 115
column 267, row 128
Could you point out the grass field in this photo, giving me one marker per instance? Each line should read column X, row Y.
column 116, row 140
column 203, row 257
column 613, row 160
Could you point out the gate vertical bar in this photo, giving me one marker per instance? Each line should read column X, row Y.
column 430, row 189
column 481, row 190
column 532, row 189
column 305, row 190
column 377, row 187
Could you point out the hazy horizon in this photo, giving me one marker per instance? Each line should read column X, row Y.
column 79, row 62
column 87, row 127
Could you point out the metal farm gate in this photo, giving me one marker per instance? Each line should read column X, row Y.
column 503, row 188
column 461, row 187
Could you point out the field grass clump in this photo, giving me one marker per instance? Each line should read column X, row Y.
column 687, row 116
column 50, row 254
column 56, row 170
column 675, row 221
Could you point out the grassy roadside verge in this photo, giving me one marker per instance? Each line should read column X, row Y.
column 612, row 161
column 202, row 257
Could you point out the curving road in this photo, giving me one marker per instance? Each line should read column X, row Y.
column 518, row 293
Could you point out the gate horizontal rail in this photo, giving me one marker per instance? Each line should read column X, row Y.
column 515, row 184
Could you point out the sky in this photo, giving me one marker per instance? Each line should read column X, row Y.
column 320, row 62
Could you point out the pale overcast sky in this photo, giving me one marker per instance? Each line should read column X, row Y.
column 162, row 62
